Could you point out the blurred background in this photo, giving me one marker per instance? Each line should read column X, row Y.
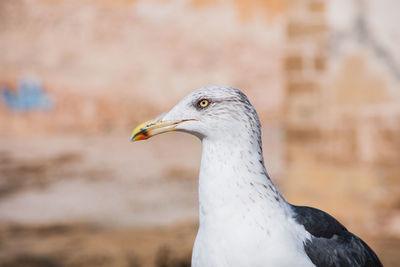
column 77, row 76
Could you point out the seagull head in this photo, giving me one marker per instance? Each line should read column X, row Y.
column 212, row 112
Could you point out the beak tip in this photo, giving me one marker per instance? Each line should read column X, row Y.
column 134, row 136
column 138, row 136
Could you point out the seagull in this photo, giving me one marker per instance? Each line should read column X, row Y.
column 243, row 219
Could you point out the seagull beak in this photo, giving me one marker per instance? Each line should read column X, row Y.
column 153, row 127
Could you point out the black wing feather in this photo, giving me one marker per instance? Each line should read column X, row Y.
column 331, row 244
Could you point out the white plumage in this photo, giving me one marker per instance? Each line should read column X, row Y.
column 243, row 219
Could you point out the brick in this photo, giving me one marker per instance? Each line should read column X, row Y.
column 387, row 146
column 316, row 7
column 302, row 134
column 320, row 63
column 298, row 87
column 298, row 29
column 293, row 63
column 302, row 115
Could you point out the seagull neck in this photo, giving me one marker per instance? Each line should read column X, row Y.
column 232, row 176
column 221, row 157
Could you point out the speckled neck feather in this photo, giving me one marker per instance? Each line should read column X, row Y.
column 238, row 202
column 232, row 174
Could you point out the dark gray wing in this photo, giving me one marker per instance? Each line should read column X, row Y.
column 331, row 244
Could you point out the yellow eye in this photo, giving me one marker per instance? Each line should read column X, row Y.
column 203, row 103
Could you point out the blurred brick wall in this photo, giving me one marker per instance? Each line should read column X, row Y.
column 343, row 111
column 330, row 68
column 111, row 64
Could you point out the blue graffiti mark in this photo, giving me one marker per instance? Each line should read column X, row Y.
column 28, row 96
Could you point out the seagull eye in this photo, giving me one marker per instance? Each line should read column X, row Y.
column 203, row 103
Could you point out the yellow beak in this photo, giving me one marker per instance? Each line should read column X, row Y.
column 151, row 128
